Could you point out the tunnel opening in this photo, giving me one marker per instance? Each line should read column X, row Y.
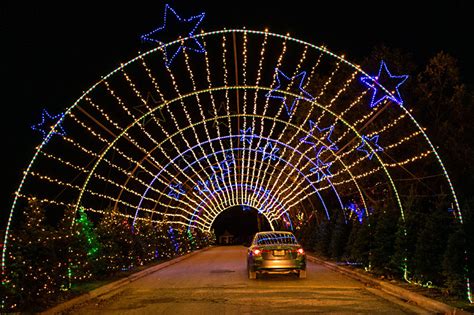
column 238, row 224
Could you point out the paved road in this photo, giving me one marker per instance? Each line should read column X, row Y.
column 215, row 282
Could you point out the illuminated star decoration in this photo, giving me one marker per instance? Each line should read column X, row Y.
column 246, row 208
column 321, row 169
column 144, row 108
column 224, row 165
column 265, row 194
column 202, row 187
column 284, row 82
column 373, row 143
column 355, row 209
column 318, row 150
column 216, row 117
column 269, row 154
column 47, row 123
column 246, row 135
column 388, row 81
column 187, row 27
column 223, row 168
column 176, row 190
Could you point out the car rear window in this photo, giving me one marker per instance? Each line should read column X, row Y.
column 275, row 239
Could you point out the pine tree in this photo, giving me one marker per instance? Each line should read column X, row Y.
column 323, row 237
column 82, row 246
column 359, row 240
column 431, row 245
column 383, row 244
column 340, row 235
column 116, row 253
column 454, row 264
column 35, row 270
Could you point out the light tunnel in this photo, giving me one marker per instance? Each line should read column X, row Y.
column 256, row 118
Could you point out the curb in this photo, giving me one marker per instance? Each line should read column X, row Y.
column 106, row 289
column 403, row 294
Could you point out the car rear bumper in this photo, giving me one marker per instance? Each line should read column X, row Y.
column 278, row 265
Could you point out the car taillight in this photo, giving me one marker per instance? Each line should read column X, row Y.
column 256, row 252
column 300, row 251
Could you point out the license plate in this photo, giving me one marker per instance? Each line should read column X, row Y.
column 280, row 252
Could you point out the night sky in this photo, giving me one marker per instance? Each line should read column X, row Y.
column 51, row 53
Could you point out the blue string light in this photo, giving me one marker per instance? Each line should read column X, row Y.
column 269, row 154
column 318, row 149
column 202, row 187
column 47, row 123
column 321, row 170
column 238, row 149
column 355, row 210
column 258, row 190
column 224, row 166
column 388, row 81
column 191, row 24
column 373, row 143
column 247, row 135
column 284, row 84
column 176, row 190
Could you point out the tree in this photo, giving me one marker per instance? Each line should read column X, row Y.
column 359, row 243
column 431, row 245
column 383, row 243
column 37, row 266
column 323, row 237
column 340, row 235
column 454, row 264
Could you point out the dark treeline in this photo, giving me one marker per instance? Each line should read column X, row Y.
column 433, row 250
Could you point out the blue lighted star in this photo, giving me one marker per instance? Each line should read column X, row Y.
column 187, row 27
column 47, row 123
column 247, row 135
column 373, row 143
column 318, row 149
column 245, row 208
column 388, row 81
column 321, row 169
column 354, row 209
column 202, row 187
column 284, row 83
column 223, row 168
column 269, row 154
column 176, row 190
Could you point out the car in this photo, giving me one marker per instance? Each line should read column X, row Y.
column 276, row 252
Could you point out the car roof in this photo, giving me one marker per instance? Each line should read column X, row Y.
column 273, row 232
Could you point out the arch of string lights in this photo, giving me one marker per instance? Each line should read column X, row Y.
column 186, row 130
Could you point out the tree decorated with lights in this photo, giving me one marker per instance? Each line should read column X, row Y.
column 204, row 121
column 40, row 261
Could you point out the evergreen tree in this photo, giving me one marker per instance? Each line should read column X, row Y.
column 339, row 236
column 323, row 237
column 116, row 253
column 35, row 271
column 82, row 246
column 399, row 259
column 359, row 241
column 454, row 264
column 431, row 245
column 383, row 244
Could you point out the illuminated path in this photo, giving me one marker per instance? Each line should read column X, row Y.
column 215, row 282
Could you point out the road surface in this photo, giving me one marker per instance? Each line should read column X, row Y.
column 215, row 282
